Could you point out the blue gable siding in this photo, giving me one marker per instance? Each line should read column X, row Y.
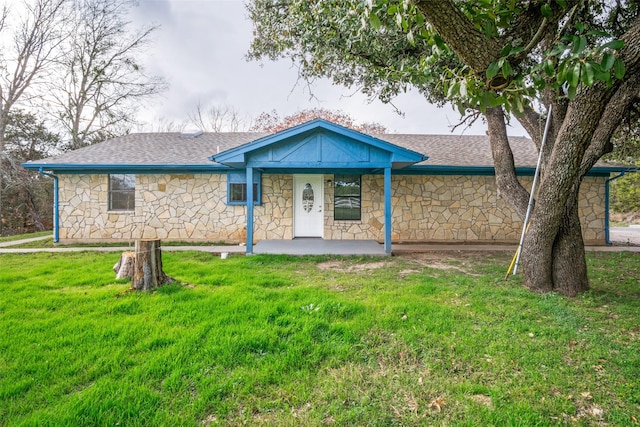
column 319, row 144
column 320, row 148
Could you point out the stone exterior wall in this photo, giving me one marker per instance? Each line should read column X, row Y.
column 194, row 208
column 451, row 208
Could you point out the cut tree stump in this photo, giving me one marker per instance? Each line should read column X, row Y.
column 147, row 270
column 124, row 266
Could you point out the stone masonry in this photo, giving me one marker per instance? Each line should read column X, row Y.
column 193, row 207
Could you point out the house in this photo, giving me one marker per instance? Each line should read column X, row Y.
column 317, row 180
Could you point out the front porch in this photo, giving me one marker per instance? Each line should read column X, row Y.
column 317, row 246
column 307, row 152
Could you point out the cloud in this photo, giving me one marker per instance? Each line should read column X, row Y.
column 200, row 49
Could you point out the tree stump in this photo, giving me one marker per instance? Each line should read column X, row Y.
column 124, row 266
column 147, row 271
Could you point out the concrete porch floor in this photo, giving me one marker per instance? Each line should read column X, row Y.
column 318, row 246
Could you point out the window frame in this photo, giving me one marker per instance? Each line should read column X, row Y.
column 125, row 192
column 239, row 178
column 338, row 178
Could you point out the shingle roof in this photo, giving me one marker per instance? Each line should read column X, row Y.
column 175, row 149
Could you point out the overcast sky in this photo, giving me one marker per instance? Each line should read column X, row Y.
column 200, row 50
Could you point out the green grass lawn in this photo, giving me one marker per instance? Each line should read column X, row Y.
column 25, row 236
column 275, row 340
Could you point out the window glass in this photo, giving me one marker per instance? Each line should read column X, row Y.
column 347, row 197
column 122, row 192
column 238, row 192
column 237, row 187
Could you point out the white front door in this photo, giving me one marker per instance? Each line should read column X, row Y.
column 308, row 206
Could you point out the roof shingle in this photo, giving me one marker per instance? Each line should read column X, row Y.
column 175, row 149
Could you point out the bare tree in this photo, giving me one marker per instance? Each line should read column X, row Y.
column 161, row 124
column 218, row 119
column 26, row 59
column 102, row 81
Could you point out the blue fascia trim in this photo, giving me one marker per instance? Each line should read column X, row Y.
column 299, row 168
column 312, row 166
column 56, row 205
column 123, row 168
column 310, row 126
column 607, row 236
column 486, row 170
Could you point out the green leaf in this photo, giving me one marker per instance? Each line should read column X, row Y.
column 579, row 43
column 506, row 69
column 518, row 102
column 562, row 3
column 374, row 21
column 393, row 9
column 505, row 51
column 439, row 41
column 558, row 49
column 614, row 44
column 588, row 74
column 573, row 90
column 516, row 50
column 573, row 76
column 549, row 67
column 493, row 70
column 453, row 90
column 546, row 11
column 598, row 33
column 618, row 68
column 608, row 58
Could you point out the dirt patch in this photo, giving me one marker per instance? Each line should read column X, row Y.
column 483, row 400
column 345, row 267
column 439, row 261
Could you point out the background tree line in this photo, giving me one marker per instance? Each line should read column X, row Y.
column 69, row 77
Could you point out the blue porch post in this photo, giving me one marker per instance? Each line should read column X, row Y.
column 249, row 210
column 387, row 210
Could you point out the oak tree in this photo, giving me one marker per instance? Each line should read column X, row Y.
column 502, row 59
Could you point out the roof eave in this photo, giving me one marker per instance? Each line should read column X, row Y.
column 124, row 168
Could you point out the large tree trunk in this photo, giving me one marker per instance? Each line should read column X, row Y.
column 553, row 253
column 147, row 271
column 568, row 256
column 553, row 258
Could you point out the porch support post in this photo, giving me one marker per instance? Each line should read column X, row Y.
column 387, row 210
column 249, row 210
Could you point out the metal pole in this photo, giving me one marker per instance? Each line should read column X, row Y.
column 533, row 190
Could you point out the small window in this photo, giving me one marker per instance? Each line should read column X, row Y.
column 122, row 192
column 347, row 197
column 237, row 188
column 238, row 192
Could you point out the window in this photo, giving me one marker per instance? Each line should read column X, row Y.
column 347, row 197
column 122, row 192
column 237, row 188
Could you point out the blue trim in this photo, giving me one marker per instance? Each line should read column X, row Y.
column 387, row 211
column 71, row 168
column 249, row 181
column 607, row 236
column 342, row 168
column 56, row 206
column 238, row 156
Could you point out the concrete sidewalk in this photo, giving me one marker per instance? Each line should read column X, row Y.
column 625, row 239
